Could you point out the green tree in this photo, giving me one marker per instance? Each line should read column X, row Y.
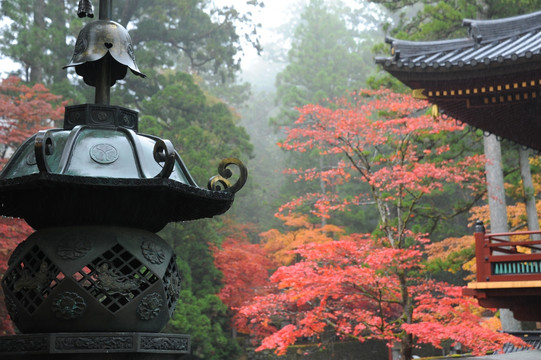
column 443, row 19
column 206, row 37
column 198, row 316
column 327, row 58
column 35, row 35
column 192, row 36
column 203, row 131
column 200, row 312
column 189, row 35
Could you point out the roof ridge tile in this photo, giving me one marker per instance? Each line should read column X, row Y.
column 485, row 31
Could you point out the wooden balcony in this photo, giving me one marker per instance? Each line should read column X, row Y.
column 508, row 272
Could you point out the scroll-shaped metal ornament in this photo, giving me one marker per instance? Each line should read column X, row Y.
column 164, row 152
column 221, row 183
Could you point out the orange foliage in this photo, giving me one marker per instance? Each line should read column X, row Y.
column 516, row 215
column 281, row 245
column 492, row 323
column 441, row 250
column 450, row 253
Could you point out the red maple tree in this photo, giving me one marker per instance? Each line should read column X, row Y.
column 24, row 110
column 373, row 285
column 353, row 289
column 245, row 266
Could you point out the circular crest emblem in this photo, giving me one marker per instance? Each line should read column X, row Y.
column 104, row 153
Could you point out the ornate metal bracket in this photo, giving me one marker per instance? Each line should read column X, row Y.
column 221, row 183
column 43, row 147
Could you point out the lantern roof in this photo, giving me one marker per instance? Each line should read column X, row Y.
column 98, row 170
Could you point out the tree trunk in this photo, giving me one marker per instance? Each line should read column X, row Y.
column 498, row 208
column 56, row 11
column 406, row 345
column 406, row 349
column 529, row 193
column 323, row 189
column 128, row 11
column 495, row 185
column 36, row 70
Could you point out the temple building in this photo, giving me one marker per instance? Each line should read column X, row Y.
column 491, row 80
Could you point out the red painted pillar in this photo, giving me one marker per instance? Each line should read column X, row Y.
column 482, row 252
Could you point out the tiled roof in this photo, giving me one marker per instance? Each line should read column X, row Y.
column 489, row 41
column 532, row 338
column 510, row 352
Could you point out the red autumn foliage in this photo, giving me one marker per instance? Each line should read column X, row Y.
column 372, row 286
column 377, row 141
column 24, row 110
column 245, row 267
column 354, row 288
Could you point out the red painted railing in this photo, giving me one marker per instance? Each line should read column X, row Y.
column 509, row 256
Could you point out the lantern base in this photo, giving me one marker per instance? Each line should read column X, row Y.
column 87, row 346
